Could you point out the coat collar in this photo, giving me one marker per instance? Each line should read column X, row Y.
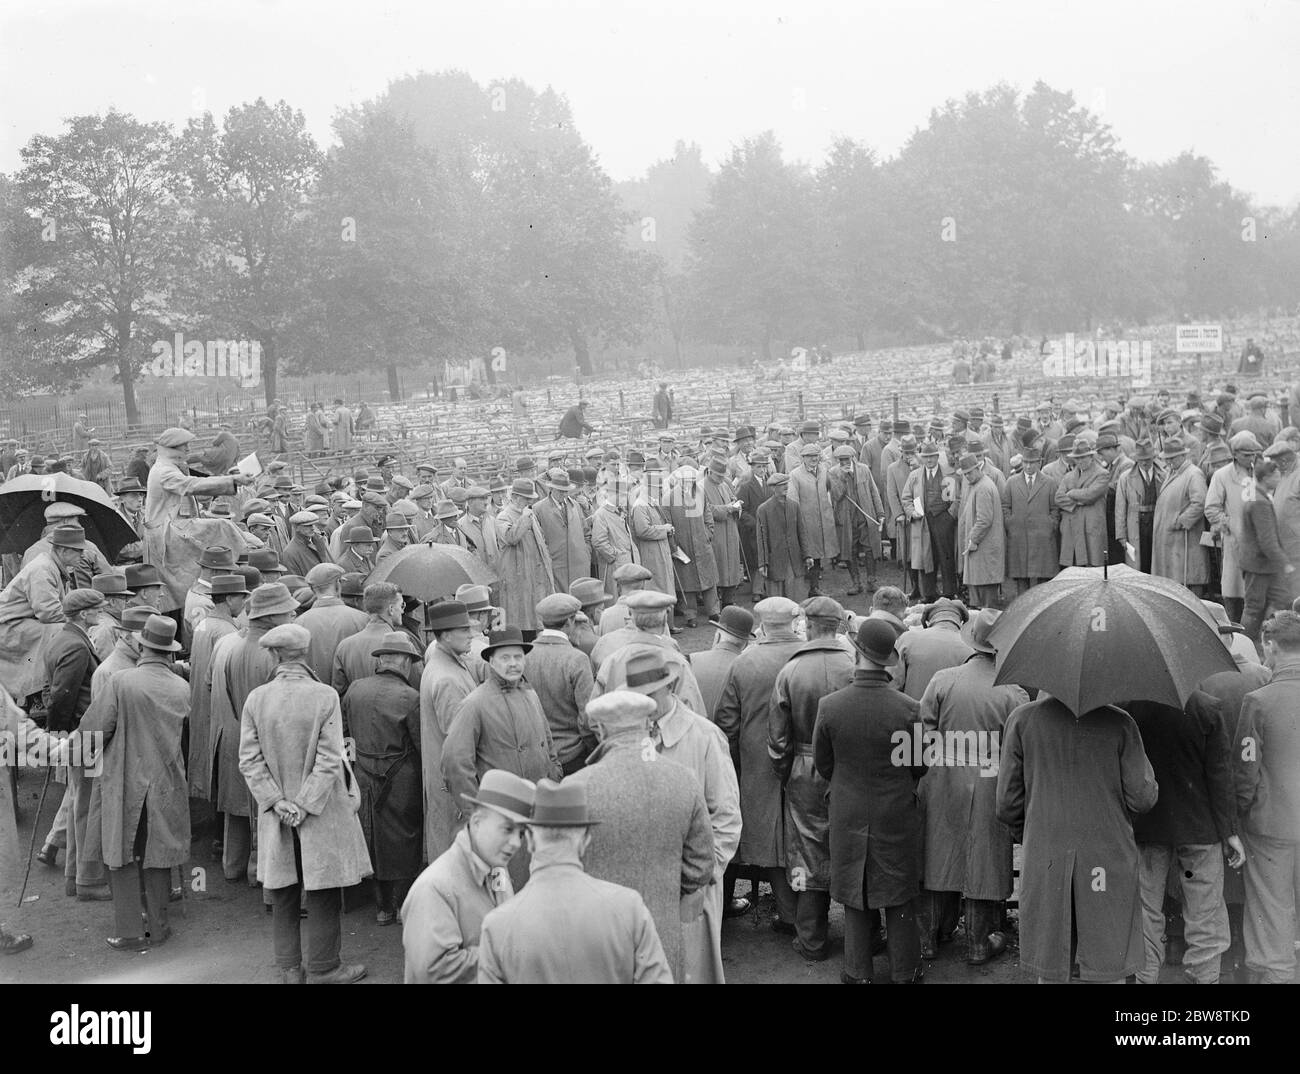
column 871, row 677
column 674, row 724
column 819, row 645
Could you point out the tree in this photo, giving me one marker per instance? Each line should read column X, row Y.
column 104, row 195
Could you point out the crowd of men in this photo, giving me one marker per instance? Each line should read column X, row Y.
column 541, row 786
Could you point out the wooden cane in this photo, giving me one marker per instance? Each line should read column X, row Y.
column 49, row 771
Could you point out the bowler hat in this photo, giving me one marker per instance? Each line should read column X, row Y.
column 159, row 634
column 505, row 639
column 875, row 640
column 736, row 621
column 561, row 805
column 360, row 534
column 506, row 793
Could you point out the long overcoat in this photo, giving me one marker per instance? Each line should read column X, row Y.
column 654, row 548
column 1066, row 788
column 967, row 848
column 206, row 635
column 611, row 541
column 291, row 746
column 566, row 541
column 979, row 522
column 718, row 496
column 239, row 666
column 445, row 682
column 875, row 814
column 1178, row 523
column 1032, row 522
column 816, row 669
column 523, row 567
column 693, row 531
column 1084, row 533
column 752, row 494
column 781, row 543
column 811, row 493
column 852, row 530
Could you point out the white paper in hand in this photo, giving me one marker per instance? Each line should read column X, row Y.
column 249, row 465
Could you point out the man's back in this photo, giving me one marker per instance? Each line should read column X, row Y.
column 924, row 652
column 1267, row 757
column 711, row 667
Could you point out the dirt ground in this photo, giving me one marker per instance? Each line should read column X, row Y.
column 221, row 932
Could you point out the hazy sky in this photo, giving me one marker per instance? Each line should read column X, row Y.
column 1217, row 77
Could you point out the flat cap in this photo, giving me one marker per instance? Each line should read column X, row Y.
column 323, row 574
column 304, row 518
column 174, row 438
column 776, row 609
column 557, row 607
column 286, row 636
column 79, row 600
column 823, row 608
column 632, row 572
column 649, row 600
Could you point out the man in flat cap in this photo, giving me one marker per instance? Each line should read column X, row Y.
column 1224, row 508
column 655, row 834
column 938, row 644
column 171, row 493
column 859, row 513
column 228, row 592
column 562, row 676
column 1179, row 520
column 442, row 916
column 31, row 611
column 310, row 841
column 627, row 580
column 650, row 611
column 381, row 716
column 810, row 491
column 306, row 548
column 1265, row 426
column 328, row 619
column 143, row 814
column 478, row 525
column 567, row 927
column 781, row 538
column 611, row 539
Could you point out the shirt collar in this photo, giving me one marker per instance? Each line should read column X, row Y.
column 554, row 635
column 478, row 868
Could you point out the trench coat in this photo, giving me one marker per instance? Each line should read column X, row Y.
column 239, row 666
column 852, row 531
column 1224, row 510
column 611, row 541
column 920, row 545
column 523, row 566
column 875, row 815
column 924, row 653
column 381, row 715
column 743, row 714
column 979, row 522
column 1179, row 521
column 344, row 425
column 967, row 848
column 693, row 533
column 654, row 834
column 752, row 494
column 718, row 496
column 313, row 431
column 1066, row 787
column 654, row 547
column 330, row 621
column 1084, row 533
column 817, row 668
column 781, row 544
column 140, row 715
column 811, row 494
column 895, row 482
column 445, row 682
column 566, row 540
column 291, row 746
column 31, row 614
column 1031, row 519
column 172, row 544
column 206, row 635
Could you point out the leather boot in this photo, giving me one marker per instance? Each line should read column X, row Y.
column 983, row 942
column 927, row 923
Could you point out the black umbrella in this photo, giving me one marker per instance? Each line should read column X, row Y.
column 22, row 512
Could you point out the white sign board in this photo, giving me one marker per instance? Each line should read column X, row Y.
column 1198, row 339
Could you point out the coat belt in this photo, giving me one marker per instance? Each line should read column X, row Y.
column 803, row 751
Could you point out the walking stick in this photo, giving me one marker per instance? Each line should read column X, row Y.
column 49, row 771
column 1184, row 558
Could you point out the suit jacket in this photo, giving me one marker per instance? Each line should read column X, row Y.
column 70, row 661
column 1266, row 757
column 1032, row 519
column 1259, row 550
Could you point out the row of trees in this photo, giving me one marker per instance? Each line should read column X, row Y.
column 449, row 219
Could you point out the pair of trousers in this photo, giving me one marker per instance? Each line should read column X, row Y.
column 236, row 847
column 78, row 864
column 985, row 596
column 813, row 576
column 323, row 927
column 140, row 896
column 855, row 571
column 727, row 595
column 943, row 543
column 787, row 908
column 811, row 920
column 1264, row 593
column 983, row 918
column 694, row 597
column 902, row 942
column 58, row 835
column 937, row 913
column 1205, row 915
column 1269, row 926
column 1024, row 585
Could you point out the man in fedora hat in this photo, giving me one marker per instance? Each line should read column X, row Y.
column 448, row 679
column 478, row 526
column 652, row 529
column 442, row 916
column 896, row 525
column 171, row 492
column 967, row 849
column 981, row 537
column 743, row 714
column 567, row 927
column 228, row 593
column 524, row 563
column 359, row 549
column 752, row 491
column 398, row 533
column 240, row 664
column 929, row 504
column 655, row 833
column 693, row 562
column 818, row 667
column 1031, row 519
column 354, row 657
column 500, row 725
column 937, row 645
column 444, row 530
column 735, row 630
column 328, row 619
column 1135, row 506
column 1081, row 496
column 810, row 491
column 112, row 586
column 91, row 562
column 563, row 530
column 381, row 716
column 562, row 676
column 213, row 560
column 1224, row 510
column 1179, row 520
column 310, row 841
column 875, row 824
column 144, row 813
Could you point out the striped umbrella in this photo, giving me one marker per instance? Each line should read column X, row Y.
column 1091, row 638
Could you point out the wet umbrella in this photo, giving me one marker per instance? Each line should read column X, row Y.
column 1090, row 640
column 430, row 571
column 22, row 512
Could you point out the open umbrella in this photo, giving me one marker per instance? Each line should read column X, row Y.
column 22, row 512
column 1091, row 640
column 430, row 571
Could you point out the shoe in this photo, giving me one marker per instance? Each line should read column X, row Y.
column 128, row 943
column 673, row 628
column 176, row 894
column 979, row 954
column 385, row 917
column 816, row 593
column 805, row 954
column 69, row 886
column 1189, row 979
column 879, row 945
column 160, row 937
column 853, row 591
column 846, row 979
column 11, row 943
column 738, row 907
column 783, row 927
column 692, row 622
column 344, row 973
column 297, row 975
column 48, row 855
column 96, row 894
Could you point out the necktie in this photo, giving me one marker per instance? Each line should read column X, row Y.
column 656, row 736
